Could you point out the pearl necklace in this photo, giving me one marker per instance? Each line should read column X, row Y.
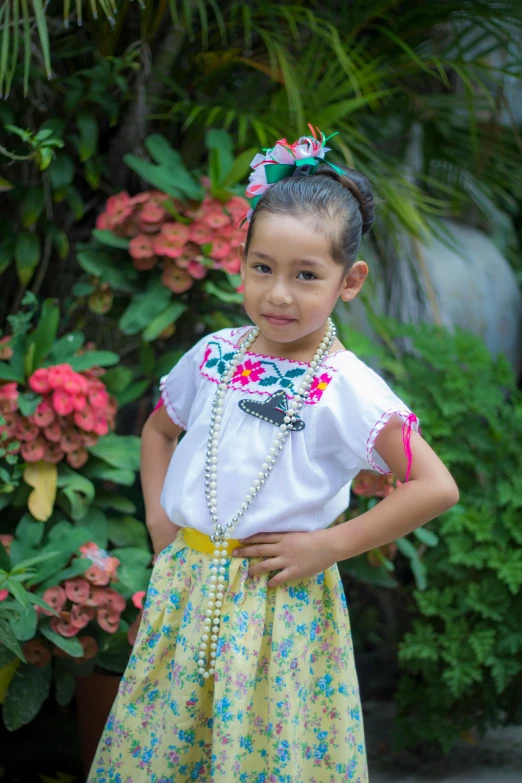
column 222, row 536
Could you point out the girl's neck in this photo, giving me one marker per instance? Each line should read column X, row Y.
column 300, row 350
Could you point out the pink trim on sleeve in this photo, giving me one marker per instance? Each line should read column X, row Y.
column 410, row 421
column 169, row 407
column 158, row 404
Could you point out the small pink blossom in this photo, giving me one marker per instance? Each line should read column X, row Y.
column 63, row 625
column 77, row 458
column 43, row 415
column 6, row 351
column 81, row 615
column 58, row 374
column 70, row 440
column 53, row 432
column 200, row 233
column 98, row 397
column 34, row 451
column 6, row 540
column 25, row 430
column 39, row 381
column 77, row 590
column 53, row 453
column 84, row 419
column 62, row 402
column 178, row 280
column 36, row 653
column 137, row 599
column 55, row 597
column 114, row 600
column 216, row 219
column 108, row 619
column 3, row 594
column 232, row 265
column 119, row 208
column 196, row 270
column 220, row 248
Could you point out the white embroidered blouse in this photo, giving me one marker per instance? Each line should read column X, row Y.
column 310, row 485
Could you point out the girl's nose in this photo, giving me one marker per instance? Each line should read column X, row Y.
column 279, row 294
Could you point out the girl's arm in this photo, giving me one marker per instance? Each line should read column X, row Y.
column 429, row 492
column 159, row 438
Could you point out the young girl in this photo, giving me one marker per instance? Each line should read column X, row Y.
column 243, row 668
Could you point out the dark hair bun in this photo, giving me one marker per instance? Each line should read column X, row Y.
column 360, row 188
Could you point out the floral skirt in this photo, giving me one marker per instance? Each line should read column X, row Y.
column 283, row 705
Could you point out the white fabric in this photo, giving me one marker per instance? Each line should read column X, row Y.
column 310, row 484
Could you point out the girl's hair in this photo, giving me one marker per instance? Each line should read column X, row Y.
column 338, row 205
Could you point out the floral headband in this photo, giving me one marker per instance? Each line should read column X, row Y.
column 286, row 160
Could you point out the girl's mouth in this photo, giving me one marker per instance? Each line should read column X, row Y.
column 278, row 321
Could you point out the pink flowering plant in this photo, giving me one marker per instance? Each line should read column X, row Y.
column 170, row 245
column 73, row 554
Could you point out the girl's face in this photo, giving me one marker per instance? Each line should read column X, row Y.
column 291, row 281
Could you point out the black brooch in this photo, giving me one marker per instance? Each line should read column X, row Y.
column 273, row 410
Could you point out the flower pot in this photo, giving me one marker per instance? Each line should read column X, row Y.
column 95, row 695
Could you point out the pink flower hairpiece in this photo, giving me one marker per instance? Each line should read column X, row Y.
column 281, row 161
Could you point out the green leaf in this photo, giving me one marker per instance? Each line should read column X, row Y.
column 98, row 469
column 120, row 451
column 219, row 143
column 69, row 645
column 45, row 333
column 224, row 296
column 78, row 566
column 5, row 562
column 26, row 694
column 25, row 627
column 65, row 348
column 128, row 532
column 117, row 379
column 88, row 128
column 28, row 403
column 93, row 359
column 417, row 566
column 32, row 206
column 144, row 307
column 78, row 490
column 114, row 654
column 8, row 638
column 110, row 239
column 29, row 530
column 134, row 391
column 169, row 316
column 239, row 168
column 65, row 686
column 61, row 172
column 60, row 241
column 160, row 149
column 427, row 537
column 7, row 251
column 8, row 373
column 173, row 180
column 109, row 500
column 96, row 522
column 27, row 256
column 83, row 289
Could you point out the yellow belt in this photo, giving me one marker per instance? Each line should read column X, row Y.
column 202, row 543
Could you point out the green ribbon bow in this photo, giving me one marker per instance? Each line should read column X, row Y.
column 278, row 171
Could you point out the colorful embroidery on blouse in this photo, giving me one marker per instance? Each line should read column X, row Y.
column 260, row 374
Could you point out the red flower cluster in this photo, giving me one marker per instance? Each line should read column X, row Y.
column 75, row 410
column 371, row 484
column 157, row 237
column 87, row 598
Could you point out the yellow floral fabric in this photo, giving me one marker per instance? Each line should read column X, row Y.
column 283, row 706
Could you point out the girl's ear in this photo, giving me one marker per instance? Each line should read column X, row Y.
column 353, row 281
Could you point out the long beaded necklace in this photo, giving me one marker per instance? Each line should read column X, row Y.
column 222, row 532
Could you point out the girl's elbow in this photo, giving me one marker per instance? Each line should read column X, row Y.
column 449, row 495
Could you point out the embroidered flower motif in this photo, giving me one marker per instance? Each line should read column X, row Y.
column 248, row 371
column 319, row 384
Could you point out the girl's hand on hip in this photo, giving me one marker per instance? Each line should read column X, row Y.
column 294, row 555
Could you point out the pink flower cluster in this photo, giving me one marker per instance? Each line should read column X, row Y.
column 87, row 598
column 178, row 246
column 75, row 410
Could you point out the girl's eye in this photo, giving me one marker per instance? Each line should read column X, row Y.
column 262, row 268
column 312, row 276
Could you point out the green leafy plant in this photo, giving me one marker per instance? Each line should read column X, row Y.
column 462, row 655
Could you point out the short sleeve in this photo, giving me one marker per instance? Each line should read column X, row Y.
column 178, row 388
column 361, row 404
